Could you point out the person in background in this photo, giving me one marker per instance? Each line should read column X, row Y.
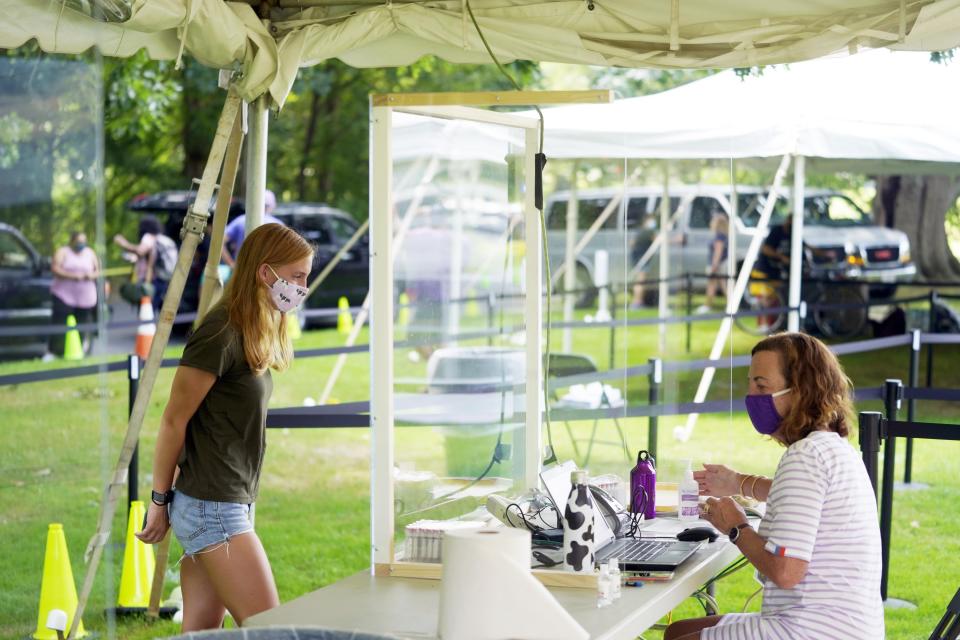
column 716, row 259
column 236, row 229
column 74, row 290
column 645, row 237
column 212, row 437
column 817, row 549
column 144, row 254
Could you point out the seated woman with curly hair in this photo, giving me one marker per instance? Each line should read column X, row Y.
column 817, row 549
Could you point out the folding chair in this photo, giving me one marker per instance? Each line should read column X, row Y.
column 562, row 365
column 949, row 626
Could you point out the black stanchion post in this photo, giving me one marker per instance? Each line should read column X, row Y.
column 931, row 327
column 133, row 379
column 656, row 379
column 870, row 443
column 913, row 381
column 689, row 283
column 892, row 392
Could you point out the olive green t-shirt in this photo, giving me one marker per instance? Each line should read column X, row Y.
column 226, row 437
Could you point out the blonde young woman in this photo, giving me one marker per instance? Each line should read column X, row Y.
column 716, row 260
column 817, row 549
column 210, row 447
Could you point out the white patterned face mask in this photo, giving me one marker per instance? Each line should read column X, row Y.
column 286, row 296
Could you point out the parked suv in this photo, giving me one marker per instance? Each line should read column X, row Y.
column 833, row 223
column 324, row 226
column 24, row 293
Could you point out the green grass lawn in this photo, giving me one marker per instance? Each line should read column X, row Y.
column 59, row 442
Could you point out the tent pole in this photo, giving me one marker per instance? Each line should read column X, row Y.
column 682, row 432
column 212, row 286
column 193, row 227
column 256, row 165
column 732, row 230
column 796, row 244
column 664, row 286
column 570, row 273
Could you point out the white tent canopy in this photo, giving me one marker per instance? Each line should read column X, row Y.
column 878, row 112
column 638, row 33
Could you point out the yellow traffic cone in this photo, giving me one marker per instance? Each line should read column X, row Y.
column 146, row 329
column 72, row 346
column 473, row 306
column 403, row 315
column 136, row 579
column 293, row 325
column 344, row 319
column 57, row 590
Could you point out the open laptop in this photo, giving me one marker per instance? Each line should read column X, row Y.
column 633, row 554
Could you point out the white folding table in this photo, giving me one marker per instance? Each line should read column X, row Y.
column 409, row 607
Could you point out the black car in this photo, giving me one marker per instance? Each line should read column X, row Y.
column 326, row 227
column 24, row 293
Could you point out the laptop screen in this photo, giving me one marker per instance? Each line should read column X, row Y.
column 556, row 480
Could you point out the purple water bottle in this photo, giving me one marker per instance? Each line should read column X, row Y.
column 643, row 486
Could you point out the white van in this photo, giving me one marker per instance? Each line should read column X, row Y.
column 833, row 223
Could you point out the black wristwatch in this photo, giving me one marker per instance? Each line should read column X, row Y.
column 161, row 499
column 734, row 533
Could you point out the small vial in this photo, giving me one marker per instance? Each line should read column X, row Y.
column 604, row 587
column 615, row 582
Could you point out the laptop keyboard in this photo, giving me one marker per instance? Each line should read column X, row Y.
column 628, row 550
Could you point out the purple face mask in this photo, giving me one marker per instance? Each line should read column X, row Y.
column 763, row 412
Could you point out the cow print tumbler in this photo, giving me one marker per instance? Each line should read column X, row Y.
column 578, row 543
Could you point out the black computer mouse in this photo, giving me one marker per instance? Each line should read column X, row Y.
column 696, row 534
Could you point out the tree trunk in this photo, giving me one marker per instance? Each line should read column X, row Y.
column 307, row 145
column 325, row 176
column 917, row 205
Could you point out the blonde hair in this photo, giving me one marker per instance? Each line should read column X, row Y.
column 822, row 392
column 720, row 224
column 247, row 300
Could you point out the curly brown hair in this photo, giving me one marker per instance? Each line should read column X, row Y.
column 822, row 392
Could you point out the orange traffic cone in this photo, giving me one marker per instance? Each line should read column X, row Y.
column 146, row 329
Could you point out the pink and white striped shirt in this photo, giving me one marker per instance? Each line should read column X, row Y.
column 821, row 509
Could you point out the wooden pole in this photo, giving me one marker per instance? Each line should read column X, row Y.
column 212, row 286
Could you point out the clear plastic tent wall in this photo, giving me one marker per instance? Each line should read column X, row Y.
column 58, row 433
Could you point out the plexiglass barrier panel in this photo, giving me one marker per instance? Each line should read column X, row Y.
column 59, row 444
column 459, row 328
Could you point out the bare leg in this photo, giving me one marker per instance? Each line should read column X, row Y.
column 202, row 607
column 711, row 290
column 240, row 574
column 689, row 629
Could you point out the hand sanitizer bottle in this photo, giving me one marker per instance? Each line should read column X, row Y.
column 604, row 587
column 615, row 583
column 688, row 504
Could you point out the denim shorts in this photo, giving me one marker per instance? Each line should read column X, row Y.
column 199, row 524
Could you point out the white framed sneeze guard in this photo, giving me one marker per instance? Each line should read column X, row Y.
column 456, row 354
